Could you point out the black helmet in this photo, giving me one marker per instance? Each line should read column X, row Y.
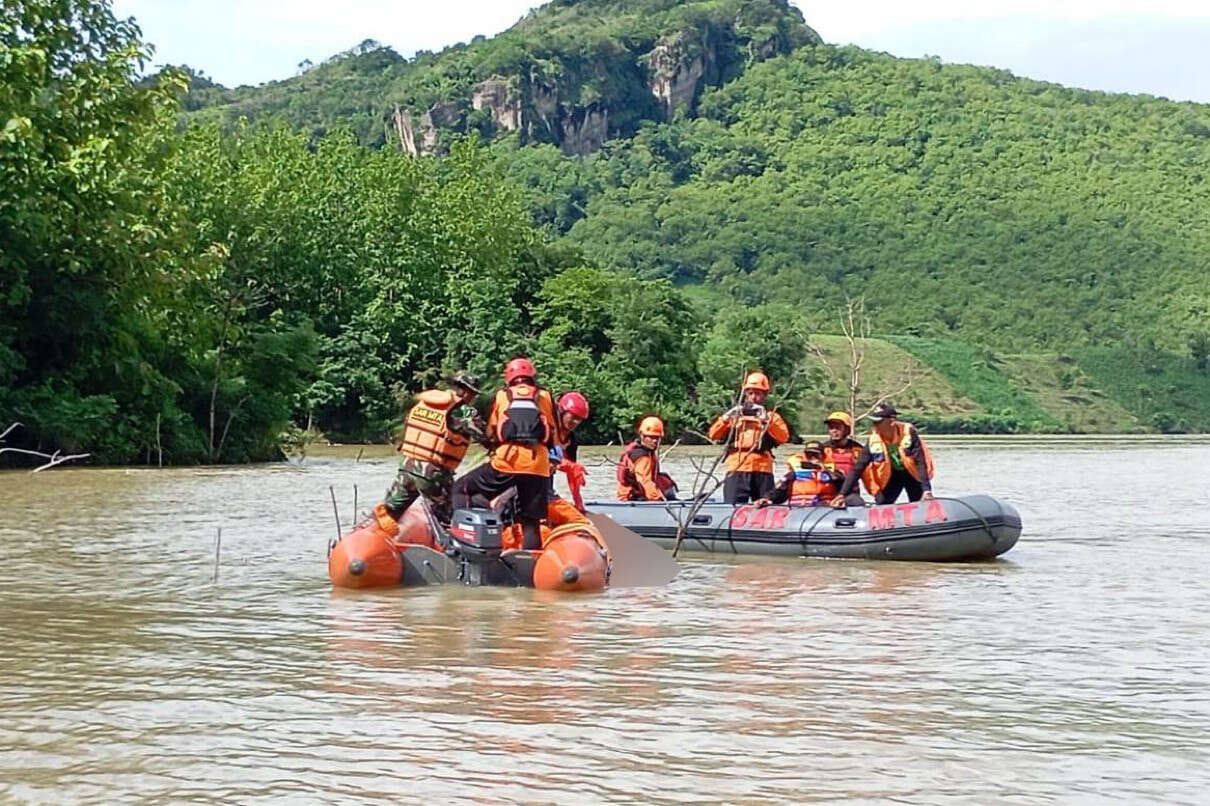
column 813, row 446
column 466, row 381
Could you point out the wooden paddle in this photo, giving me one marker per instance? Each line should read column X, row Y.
column 637, row 562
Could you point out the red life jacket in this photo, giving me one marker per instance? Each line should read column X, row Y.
column 842, row 459
column 629, row 488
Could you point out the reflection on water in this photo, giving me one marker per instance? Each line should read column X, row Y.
column 1072, row 670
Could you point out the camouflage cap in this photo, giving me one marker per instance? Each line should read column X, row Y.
column 466, row 381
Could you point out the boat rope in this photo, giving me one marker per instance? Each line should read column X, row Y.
column 804, row 536
column 986, row 526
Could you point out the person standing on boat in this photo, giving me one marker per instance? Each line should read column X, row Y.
column 809, row 483
column 841, row 452
column 436, row 434
column 639, row 476
column 572, row 411
column 896, row 460
column 522, row 425
column 751, row 432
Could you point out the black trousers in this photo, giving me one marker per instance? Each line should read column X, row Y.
column 743, row 488
column 486, row 482
column 900, row 480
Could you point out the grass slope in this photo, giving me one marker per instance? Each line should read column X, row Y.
column 1068, row 394
column 1164, row 391
column 886, row 369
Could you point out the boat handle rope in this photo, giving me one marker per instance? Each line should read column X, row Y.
column 805, row 536
column 986, row 526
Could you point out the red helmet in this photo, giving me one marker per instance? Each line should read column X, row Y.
column 574, row 403
column 519, row 368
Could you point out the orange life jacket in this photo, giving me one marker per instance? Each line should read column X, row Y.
column 426, row 433
column 842, row 459
column 878, row 471
column 523, row 422
column 630, row 488
column 750, row 442
column 812, row 485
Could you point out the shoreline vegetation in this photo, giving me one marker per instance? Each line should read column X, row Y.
column 197, row 275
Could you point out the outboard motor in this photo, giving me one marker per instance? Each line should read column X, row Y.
column 475, row 542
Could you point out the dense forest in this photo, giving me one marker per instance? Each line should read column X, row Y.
column 646, row 196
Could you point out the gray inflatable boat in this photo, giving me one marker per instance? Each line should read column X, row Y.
column 972, row 527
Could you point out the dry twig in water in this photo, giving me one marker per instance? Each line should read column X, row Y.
column 56, row 458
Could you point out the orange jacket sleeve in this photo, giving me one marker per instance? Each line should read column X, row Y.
column 719, row 429
column 546, row 405
column 499, row 402
column 644, row 474
column 778, row 430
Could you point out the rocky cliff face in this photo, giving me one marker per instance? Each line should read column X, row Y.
column 677, row 68
column 580, row 100
column 497, row 95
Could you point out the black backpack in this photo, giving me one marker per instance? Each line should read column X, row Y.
column 523, row 423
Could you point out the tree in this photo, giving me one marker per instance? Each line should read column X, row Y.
column 90, row 258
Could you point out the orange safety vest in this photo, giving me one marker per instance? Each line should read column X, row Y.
column 878, row 471
column 426, row 433
column 842, row 459
column 523, row 422
column 629, row 488
column 750, row 443
column 811, row 486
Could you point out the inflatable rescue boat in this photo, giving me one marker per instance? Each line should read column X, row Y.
column 973, row 527
column 478, row 548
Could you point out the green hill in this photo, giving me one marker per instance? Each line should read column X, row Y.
column 648, row 196
column 720, row 143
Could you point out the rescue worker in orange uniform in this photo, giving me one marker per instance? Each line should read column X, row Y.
column 572, row 412
column 437, row 432
column 808, row 483
column 639, row 477
column 841, row 452
column 751, row 432
column 896, row 460
column 522, row 426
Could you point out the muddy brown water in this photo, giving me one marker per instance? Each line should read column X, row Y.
column 1076, row 669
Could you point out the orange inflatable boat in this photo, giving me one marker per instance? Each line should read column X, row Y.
column 476, row 549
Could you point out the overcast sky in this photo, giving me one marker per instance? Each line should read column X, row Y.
column 1157, row 47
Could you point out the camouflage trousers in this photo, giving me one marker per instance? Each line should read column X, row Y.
column 417, row 478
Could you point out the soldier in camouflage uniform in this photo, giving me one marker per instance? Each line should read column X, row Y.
column 437, row 432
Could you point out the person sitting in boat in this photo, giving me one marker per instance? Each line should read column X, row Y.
column 896, row 460
column 522, row 424
column 572, row 412
column 639, row 476
column 808, row 483
column 841, row 452
column 751, row 432
column 436, row 434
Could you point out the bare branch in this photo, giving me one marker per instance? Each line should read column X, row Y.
column 9, row 430
column 671, row 448
column 58, row 460
column 230, row 417
column 55, row 458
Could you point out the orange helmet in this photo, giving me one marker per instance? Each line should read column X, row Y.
column 757, row 380
column 519, row 368
column 651, row 427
